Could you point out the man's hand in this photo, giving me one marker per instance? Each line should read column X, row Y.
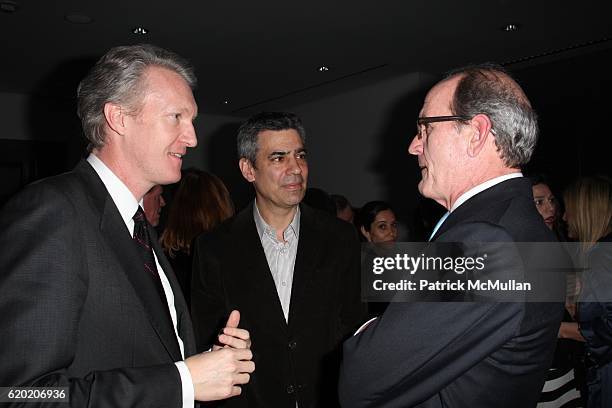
column 232, row 336
column 218, row 374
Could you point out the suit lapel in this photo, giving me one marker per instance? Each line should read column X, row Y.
column 185, row 327
column 126, row 256
column 306, row 259
column 255, row 266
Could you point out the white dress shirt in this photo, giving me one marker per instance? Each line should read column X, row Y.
column 127, row 205
column 280, row 255
column 471, row 193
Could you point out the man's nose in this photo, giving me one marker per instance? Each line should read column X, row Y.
column 295, row 167
column 189, row 135
column 416, row 146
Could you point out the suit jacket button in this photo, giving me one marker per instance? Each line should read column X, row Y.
column 292, row 345
column 290, row 389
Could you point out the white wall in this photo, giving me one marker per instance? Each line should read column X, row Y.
column 354, row 137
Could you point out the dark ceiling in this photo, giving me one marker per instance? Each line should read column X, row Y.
column 250, row 53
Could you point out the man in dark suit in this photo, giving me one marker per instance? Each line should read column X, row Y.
column 84, row 301
column 475, row 130
column 293, row 271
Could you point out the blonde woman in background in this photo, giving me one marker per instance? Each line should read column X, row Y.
column 588, row 214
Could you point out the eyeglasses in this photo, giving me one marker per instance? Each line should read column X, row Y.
column 422, row 121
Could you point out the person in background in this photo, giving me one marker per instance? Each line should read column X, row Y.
column 377, row 223
column 319, row 199
column 548, row 205
column 564, row 380
column 588, row 213
column 152, row 204
column 201, row 202
column 344, row 210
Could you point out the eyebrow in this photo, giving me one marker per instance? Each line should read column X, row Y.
column 284, row 153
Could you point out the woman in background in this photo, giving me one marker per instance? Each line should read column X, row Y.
column 589, row 217
column 377, row 223
column 200, row 204
column 565, row 379
column 547, row 205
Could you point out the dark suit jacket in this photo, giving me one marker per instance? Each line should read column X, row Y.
column 472, row 354
column 77, row 309
column 297, row 361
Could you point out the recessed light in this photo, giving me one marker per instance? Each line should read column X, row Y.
column 226, row 102
column 9, row 6
column 140, row 31
column 510, row 27
column 323, row 68
column 76, row 18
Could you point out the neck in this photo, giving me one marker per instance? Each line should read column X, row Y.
column 278, row 218
column 476, row 180
column 118, row 166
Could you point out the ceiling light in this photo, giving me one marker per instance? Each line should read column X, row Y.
column 9, row 6
column 323, row 68
column 76, row 18
column 226, row 102
column 510, row 27
column 140, row 31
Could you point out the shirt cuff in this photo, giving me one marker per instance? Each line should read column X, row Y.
column 186, row 384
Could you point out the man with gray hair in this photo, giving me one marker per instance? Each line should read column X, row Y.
column 88, row 300
column 292, row 270
column 475, row 131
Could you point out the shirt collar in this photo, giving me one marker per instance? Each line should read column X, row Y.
column 293, row 230
column 122, row 197
column 481, row 187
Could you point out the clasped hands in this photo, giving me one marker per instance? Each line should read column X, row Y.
column 218, row 374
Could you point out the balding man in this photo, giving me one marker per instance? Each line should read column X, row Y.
column 475, row 131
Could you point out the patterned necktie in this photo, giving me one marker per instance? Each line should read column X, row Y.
column 143, row 241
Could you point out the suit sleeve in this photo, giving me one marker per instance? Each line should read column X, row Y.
column 43, row 287
column 208, row 305
column 353, row 311
column 417, row 348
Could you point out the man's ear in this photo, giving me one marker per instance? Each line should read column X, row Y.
column 115, row 116
column 247, row 169
column 482, row 124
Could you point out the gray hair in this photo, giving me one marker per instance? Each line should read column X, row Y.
column 248, row 133
column 489, row 89
column 117, row 78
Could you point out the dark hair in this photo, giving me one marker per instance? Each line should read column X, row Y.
column 489, row 89
column 248, row 133
column 340, row 201
column 118, row 77
column 319, row 199
column 538, row 178
column 559, row 226
column 368, row 213
column 201, row 203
